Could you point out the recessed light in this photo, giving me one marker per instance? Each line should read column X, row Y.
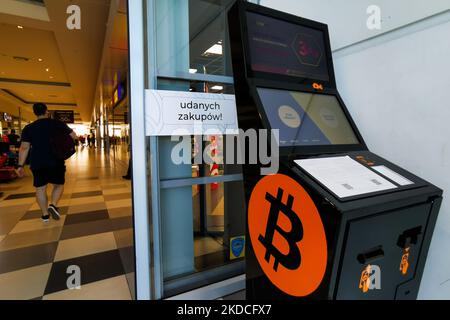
column 47, row 69
column 214, row 50
column 217, row 88
column 40, row 60
column 19, row 27
column 51, row 77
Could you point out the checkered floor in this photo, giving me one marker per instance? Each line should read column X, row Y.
column 94, row 233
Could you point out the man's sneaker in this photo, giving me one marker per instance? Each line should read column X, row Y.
column 53, row 210
column 45, row 219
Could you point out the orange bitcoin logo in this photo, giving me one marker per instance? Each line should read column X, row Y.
column 287, row 235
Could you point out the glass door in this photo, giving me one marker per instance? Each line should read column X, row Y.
column 201, row 206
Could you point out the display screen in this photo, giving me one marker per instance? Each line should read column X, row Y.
column 306, row 119
column 284, row 48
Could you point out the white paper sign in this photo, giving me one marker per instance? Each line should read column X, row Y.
column 170, row 113
column 344, row 176
column 394, row 176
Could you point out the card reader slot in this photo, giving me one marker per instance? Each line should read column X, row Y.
column 371, row 255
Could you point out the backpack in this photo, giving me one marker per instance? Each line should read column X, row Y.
column 62, row 144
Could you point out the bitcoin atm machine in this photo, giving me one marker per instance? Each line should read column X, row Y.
column 336, row 221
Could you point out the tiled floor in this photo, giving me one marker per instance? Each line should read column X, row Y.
column 94, row 233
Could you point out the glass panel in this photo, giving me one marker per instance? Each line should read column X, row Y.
column 215, row 220
column 198, row 222
column 192, row 37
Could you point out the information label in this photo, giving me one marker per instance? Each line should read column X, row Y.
column 344, row 176
column 394, row 176
column 170, row 113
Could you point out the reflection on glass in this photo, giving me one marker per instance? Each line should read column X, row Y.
column 192, row 37
column 199, row 221
column 211, row 235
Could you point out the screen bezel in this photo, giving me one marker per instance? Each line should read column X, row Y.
column 309, row 149
column 249, row 7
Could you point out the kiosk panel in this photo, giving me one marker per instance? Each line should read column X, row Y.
column 336, row 221
column 306, row 119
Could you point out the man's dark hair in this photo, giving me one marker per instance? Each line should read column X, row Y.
column 39, row 109
column 13, row 131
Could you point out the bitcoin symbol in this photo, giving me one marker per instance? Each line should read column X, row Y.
column 292, row 260
column 287, row 232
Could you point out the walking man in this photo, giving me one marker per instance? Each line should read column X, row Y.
column 45, row 166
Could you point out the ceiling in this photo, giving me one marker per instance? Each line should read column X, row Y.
column 44, row 61
column 114, row 65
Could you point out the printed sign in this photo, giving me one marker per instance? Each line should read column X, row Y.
column 287, row 235
column 170, row 113
column 66, row 116
column 237, row 246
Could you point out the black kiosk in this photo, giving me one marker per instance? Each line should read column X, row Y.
column 336, row 221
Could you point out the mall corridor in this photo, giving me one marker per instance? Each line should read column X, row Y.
column 94, row 233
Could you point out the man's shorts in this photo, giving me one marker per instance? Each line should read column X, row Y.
column 44, row 176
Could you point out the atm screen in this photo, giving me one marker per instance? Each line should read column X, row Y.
column 284, row 48
column 306, row 119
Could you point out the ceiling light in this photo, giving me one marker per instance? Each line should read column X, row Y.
column 215, row 49
column 47, row 69
column 218, row 88
column 51, row 77
column 40, row 60
column 19, row 27
column 193, row 70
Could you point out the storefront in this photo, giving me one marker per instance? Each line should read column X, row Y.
column 10, row 122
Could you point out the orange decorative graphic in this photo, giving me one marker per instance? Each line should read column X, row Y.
column 317, row 86
column 364, row 282
column 214, row 167
column 287, row 235
column 404, row 263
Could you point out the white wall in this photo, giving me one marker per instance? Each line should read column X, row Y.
column 397, row 88
column 347, row 18
column 399, row 95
